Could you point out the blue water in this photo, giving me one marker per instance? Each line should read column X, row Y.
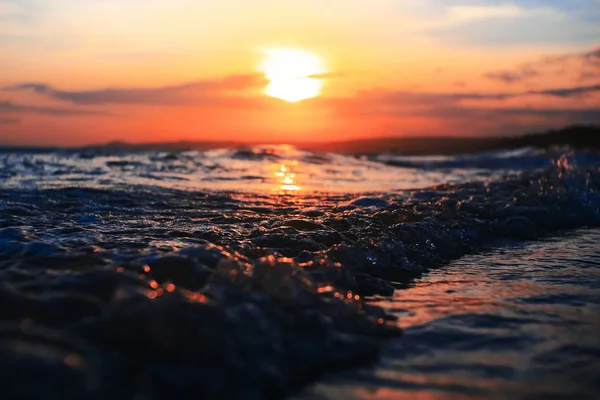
column 249, row 273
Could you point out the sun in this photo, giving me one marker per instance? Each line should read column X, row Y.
column 292, row 74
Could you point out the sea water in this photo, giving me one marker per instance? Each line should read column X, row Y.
column 247, row 273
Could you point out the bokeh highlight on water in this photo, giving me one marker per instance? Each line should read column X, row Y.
column 246, row 273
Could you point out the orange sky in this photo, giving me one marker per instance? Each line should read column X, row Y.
column 156, row 70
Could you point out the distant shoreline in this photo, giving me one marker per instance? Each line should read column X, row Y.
column 577, row 136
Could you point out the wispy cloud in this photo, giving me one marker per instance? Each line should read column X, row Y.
column 516, row 23
column 566, row 92
column 465, row 13
column 202, row 92
column 9, row 107
column 471, row 112
column 513, row 76
column 585, row 66
column 435, row 98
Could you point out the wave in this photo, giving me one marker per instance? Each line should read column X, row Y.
column 142, row 289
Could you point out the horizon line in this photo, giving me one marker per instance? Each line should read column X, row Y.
column 242, row 143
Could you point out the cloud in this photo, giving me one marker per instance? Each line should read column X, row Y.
column 513, row 76
column 566, row 92
column 9, row 107
column 593, row 56
column 468, row 112
column 436, row 98
column 9, row 121
column 465, row 13
column 452, row 105
column 516, row 23
column 497, row 115
column 471, row 119
column 202, row 92
column 584, row 65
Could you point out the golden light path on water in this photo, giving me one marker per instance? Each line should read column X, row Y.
column 286, row 178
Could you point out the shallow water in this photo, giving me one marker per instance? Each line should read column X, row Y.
column 521, row 322
column 242, row 273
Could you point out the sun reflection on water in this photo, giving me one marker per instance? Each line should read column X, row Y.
column 287, row 178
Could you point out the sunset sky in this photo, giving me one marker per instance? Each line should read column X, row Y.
column 93, row 71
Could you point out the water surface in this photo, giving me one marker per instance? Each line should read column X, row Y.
column 521, row 322
column 243, row 274
column 266, row 169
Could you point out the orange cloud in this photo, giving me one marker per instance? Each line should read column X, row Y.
column 202, row 92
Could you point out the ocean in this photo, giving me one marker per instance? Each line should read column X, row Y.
column 269, row 272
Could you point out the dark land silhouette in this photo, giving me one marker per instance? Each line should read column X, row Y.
column 576, row 136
